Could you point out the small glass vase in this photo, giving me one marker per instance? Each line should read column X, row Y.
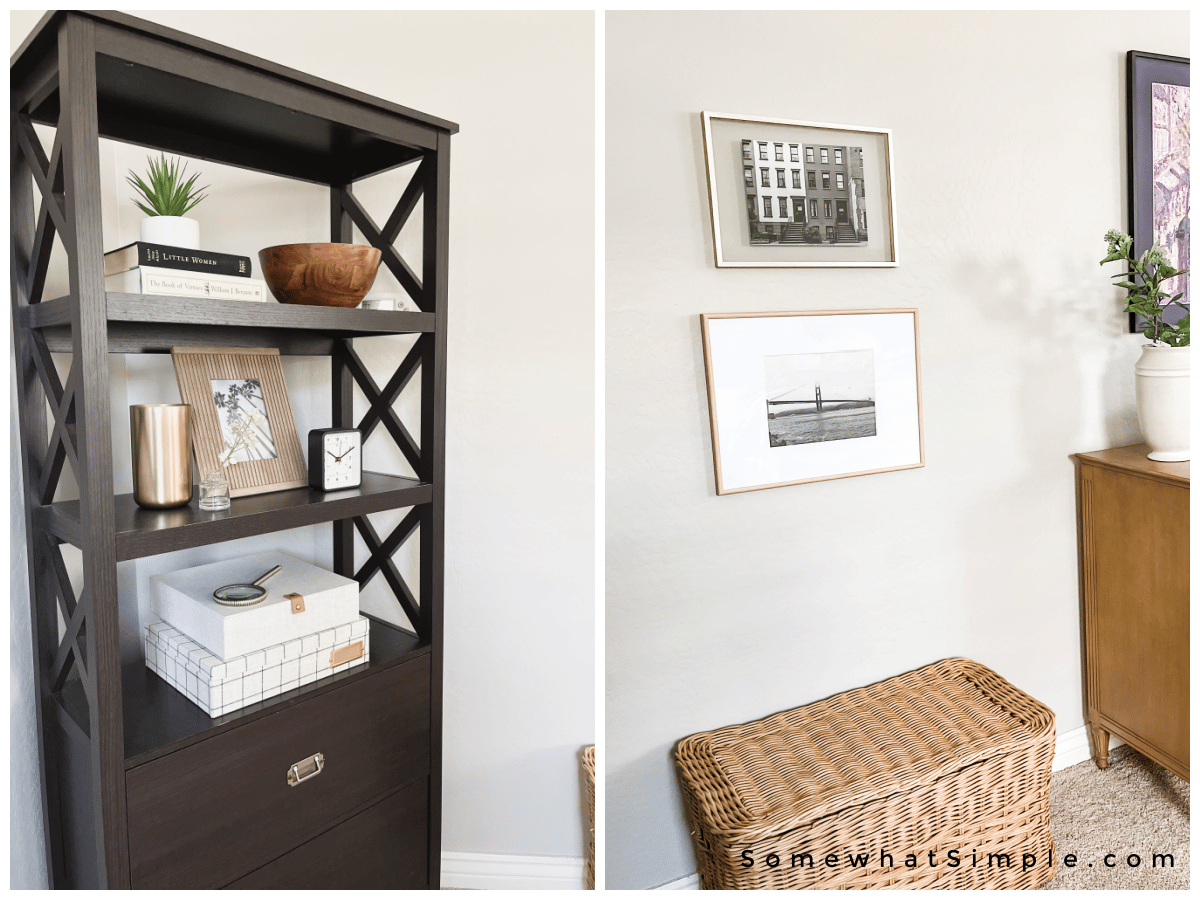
column 214, row 492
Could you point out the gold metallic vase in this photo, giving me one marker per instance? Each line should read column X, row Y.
column 161, row 438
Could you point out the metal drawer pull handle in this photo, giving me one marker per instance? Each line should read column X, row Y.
column 300, row 771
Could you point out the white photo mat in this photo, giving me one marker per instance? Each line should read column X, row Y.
column 736, row 346
column 723, row 136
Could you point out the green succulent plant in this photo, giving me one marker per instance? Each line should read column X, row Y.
column 167, row 194
column 1145, row 296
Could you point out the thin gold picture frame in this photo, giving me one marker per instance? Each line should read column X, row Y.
column 714, row 426
column 195, row 370
column 722, row 260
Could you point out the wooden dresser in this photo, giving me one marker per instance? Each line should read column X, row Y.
column 1133, row 520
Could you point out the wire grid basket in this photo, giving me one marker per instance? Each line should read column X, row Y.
column 949, row 757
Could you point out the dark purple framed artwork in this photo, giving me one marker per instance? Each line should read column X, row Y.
column 1158, row 101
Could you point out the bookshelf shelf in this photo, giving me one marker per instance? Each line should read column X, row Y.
column 142, row 323
column 146, row 532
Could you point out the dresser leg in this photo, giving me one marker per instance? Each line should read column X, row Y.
column 1100, row 746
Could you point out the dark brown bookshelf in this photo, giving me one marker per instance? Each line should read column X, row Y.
column 121, row 752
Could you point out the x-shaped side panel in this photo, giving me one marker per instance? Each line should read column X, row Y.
column 65, row 593
column 48, row 176
column 395, row 386
column 408, row 202
column 384, row 238
column 68, row 652
column 72, row 647
column 380, row 560
column 381, row 403
column 62, row 445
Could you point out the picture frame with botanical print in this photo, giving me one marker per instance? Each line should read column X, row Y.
column 1158, row 108
column 796, row 397
column 785, row 193
column 242, row 424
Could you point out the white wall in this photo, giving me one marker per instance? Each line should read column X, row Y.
column 1009, row 136
column 519, row 660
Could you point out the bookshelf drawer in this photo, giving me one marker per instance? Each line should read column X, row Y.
column 205, row 815
column 383, row 847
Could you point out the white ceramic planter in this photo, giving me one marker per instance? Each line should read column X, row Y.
column 173, row 231
column 1163, row 387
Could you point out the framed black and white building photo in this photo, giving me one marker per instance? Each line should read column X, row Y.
column 784, row 193
column 1159, row 123
column 795, row 397
column 242, row 423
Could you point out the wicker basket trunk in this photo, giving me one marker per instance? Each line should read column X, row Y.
column 589, row 775
column 949, row 760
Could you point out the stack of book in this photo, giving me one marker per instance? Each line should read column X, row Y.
column 143, row 268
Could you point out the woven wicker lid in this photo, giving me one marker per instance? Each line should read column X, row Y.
column 860, row 745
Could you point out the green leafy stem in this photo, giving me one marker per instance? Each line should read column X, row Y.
column 167, row 194
column 1145, row 296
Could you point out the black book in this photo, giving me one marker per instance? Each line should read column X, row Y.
column 140, row 253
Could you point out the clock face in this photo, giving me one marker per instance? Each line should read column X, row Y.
column 342, row 460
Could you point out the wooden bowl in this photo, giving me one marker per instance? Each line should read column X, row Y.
column 320, row 274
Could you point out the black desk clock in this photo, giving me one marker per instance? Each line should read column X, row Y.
column 334, row 458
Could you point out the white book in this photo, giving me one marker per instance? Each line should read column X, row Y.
column 185, row 600
column 177, row 283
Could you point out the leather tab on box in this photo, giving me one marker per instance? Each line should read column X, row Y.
column 346, row 654
column 297, row 601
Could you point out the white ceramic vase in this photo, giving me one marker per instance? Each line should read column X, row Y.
column 1163, row 387
column 173, row 231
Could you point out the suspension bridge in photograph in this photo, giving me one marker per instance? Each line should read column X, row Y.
column 800, row 420
column 818, row 403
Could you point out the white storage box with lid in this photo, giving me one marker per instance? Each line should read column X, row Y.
column 184, row 599
column 219, row 686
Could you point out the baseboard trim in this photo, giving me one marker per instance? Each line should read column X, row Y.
column 686, row 883
column 504, row 871
column 1069, row 749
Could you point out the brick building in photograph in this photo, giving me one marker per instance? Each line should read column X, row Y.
column 804, row 193
column 774, row 181
column 834, row 177
column 858, row 196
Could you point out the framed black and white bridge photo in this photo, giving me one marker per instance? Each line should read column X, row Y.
column 795, row 397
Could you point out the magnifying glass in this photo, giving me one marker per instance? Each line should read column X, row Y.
column 244, row 594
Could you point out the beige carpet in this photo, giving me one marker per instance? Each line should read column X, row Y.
column 1133, row 807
